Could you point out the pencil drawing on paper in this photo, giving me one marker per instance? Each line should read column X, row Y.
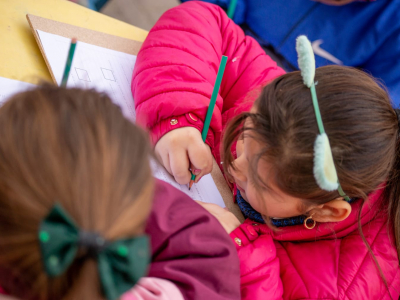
column 114, row 79
column 82, row 74
column 108, row 74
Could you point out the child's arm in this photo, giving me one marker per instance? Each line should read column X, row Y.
column 174, row 77
column 259, row 265
column 190, row 248
column 240, row 10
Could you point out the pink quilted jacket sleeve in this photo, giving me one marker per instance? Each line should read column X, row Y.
column 177, row 65
column 259, row 265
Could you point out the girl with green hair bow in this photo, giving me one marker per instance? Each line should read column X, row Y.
column 81, row 216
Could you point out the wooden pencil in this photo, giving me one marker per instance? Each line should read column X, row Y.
column 69, row 62
column 211, row 106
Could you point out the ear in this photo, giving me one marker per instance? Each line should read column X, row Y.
column 333, row 211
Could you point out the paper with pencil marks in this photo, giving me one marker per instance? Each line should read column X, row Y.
column 111, row 72
column 205, row 190
column 94, row 67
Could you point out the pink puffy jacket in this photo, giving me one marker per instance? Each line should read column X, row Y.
column 176, row 69
column 328, row 262
column 173, row 80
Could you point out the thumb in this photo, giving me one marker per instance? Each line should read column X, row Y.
column 201, row 160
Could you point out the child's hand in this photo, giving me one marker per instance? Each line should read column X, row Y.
column 223, row 215
column 181, row 147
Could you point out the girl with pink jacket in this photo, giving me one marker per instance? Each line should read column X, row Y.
column 301, row 239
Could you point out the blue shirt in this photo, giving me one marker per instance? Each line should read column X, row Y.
column 365, row 35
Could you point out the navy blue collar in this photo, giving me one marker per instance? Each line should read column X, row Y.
column 254, row 215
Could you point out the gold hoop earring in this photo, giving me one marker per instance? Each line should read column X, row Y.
column 309, row 219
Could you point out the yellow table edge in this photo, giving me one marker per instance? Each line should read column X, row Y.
column 20, row 57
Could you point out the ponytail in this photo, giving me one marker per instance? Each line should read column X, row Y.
column 72, row 147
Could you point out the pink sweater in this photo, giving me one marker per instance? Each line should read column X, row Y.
column 150, row 288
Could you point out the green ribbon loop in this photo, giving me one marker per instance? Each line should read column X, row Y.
column 120, row 263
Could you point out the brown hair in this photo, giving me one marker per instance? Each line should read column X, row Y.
column 361, row 125
column 73, row 147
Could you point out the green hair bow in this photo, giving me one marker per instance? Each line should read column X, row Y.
column 324, row 168
column 120, row 263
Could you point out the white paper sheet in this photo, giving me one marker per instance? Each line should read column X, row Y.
column 205, row 190
column 94, row 67
column 10, row 87
column 111, row 72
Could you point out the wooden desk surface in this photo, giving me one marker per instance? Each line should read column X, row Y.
column 20, row 57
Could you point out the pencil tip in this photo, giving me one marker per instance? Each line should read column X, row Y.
column 190, row 184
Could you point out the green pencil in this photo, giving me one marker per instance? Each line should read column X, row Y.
column 68, row 63
column 232, row 8
column 211, row 106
